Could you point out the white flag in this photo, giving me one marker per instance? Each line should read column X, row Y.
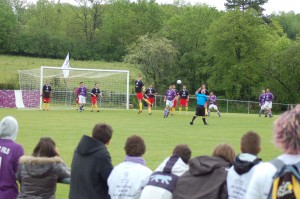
column 66, row 65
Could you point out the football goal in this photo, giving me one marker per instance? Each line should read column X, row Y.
column 114, row 85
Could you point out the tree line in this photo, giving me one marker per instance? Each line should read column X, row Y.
column 237, row 52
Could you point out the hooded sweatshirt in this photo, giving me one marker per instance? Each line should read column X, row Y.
column 205, row 179
column 9, row 157
column 157, row 192
column 38, row 176
column 91, row 167
column 240, row 174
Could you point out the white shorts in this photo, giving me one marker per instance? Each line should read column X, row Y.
column 81, row 99
column 213, row 106
column 262, row 107
column 169, row 103
column 268, row 105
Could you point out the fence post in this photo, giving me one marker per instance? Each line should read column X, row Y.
column 248, row 107
column 227, row 105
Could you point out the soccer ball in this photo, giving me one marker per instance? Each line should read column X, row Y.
column 179, row 81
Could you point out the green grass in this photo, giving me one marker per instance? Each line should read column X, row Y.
column 10, row 65
column 160, row 135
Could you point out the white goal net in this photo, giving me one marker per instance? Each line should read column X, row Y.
column 114, row 85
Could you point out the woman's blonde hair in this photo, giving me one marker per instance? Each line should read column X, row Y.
column 287, row 131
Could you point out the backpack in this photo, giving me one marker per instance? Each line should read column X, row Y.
column 165, row 179
column 286, row 181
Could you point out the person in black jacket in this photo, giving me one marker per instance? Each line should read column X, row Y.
column 91, row 165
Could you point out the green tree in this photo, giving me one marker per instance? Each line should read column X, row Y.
column 156, row 57
column 124, row 22
column 238, row 45
column 290, row 23
column 187, row 29
column 8, row 29
column 283, row 74
column 245, row 5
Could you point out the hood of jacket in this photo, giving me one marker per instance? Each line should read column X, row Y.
column 39, row 167
column 178, row 168
column 244, row 163
column 204, row 165
column 88, row 145
column 9, row 128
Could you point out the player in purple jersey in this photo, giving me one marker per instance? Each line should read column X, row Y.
column 262, row 99
column 169, row 99
column 268, row 103
column 213, row 103
column 82, row 91
column 9, row 158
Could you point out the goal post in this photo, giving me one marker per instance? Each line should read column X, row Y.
column 114, row 85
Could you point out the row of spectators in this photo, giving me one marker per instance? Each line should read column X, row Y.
column 221, row 175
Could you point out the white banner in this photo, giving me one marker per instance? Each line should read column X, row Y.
column 66, row 65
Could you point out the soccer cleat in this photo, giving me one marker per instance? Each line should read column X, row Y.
column 98, row 111
column 205, row 123
column 191, row 123
column 150, row 113
column 139, row 112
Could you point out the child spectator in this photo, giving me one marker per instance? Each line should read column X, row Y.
column 206, row 177
column 9, row 157
column 128, row 179
column 91, row 165
column 170, row 169
column 287, row 138
column 39, row 173
column 239, row 175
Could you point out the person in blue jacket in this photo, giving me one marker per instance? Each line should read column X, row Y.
column 200, row 109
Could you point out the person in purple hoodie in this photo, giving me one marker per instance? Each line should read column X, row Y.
column 9, row 157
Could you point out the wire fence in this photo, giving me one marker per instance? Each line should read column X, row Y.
column 224, row 105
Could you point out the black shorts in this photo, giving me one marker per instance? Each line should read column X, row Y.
column 200, row 110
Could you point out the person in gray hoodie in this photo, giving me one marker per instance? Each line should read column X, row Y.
column 39, row 173
column 91, row 165
column 206, row 177
column 10, row 152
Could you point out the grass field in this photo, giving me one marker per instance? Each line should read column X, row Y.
column 10, row 65
column 160, row 135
